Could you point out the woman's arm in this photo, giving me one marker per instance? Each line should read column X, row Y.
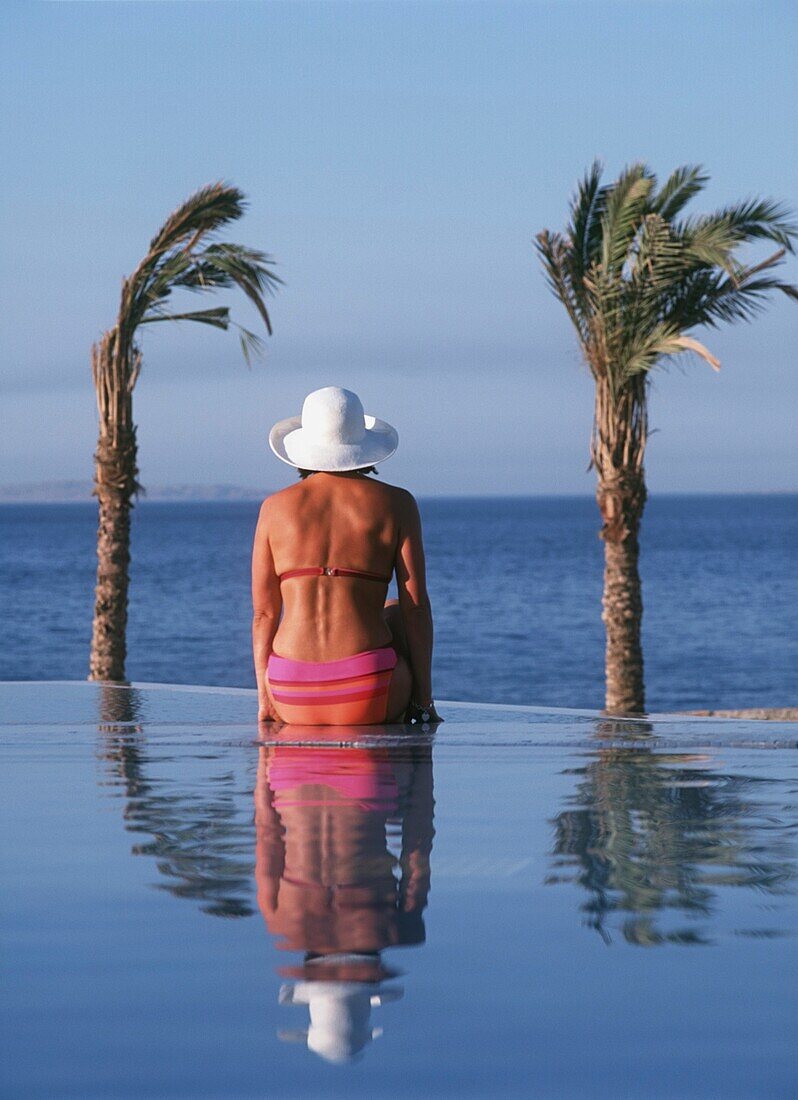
column 414, row 602
column 267, row 604
column 417, row 833
column 269, row 840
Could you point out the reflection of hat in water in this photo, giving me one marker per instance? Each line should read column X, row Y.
column 340, row 1025
column 333, row 434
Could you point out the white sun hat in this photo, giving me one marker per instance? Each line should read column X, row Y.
column 333, row 434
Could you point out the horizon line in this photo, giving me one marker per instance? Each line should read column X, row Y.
column 257, row 498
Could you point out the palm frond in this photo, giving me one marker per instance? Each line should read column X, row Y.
column 656, row 257
column 733, row 302
column 708, row 297
column 249, row 270
column 251, row 344
column 651, row 345
column 624, row 208
column 218, row 318
column 180, row 258
column 656, row 261
column 661, row 343
column 206, row 210
column 636, row 277
column 553, row 251
column 218, row 266
column 152, row 290
column 584, row 231
column 678, row 189
column 688, row 343
column 749, row 220
column 205, row 267
column 683, row 303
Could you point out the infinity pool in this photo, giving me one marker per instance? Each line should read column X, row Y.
column 522, row 902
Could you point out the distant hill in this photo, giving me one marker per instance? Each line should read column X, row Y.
column 69, row 492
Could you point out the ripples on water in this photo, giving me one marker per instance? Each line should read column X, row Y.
column 649, row 837
column 286, row 902
column 655, row 839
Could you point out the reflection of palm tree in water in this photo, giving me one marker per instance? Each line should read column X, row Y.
column 343, row 844
column 201, row 835
column 325, row 869
column 651, row 833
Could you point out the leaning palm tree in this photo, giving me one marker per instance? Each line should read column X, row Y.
column 182, row 256
column 636, row 277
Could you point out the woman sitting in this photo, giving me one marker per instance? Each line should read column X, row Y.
column 328, row 649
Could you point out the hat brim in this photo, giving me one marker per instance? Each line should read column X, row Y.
column 290, row 443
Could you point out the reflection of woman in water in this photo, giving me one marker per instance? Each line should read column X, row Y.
column 326, row 821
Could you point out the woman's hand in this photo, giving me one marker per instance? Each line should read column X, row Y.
column 265, row 705
column 266, row 711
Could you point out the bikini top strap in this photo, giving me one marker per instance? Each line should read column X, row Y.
column 333, row 571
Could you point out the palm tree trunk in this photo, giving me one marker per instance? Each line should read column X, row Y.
column 618, row 447
column 622, row 613
column 115, row 484
column 108, row 643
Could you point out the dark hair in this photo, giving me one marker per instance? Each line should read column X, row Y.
column 362, row 470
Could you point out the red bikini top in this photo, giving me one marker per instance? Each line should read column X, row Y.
column 333, row 571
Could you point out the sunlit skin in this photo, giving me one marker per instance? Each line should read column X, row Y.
column 353, row 521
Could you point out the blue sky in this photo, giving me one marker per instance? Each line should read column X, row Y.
column 399, row 159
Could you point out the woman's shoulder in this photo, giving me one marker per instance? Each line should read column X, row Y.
column 282, row 498
column 400, row 500
column 402, row 497
column 395, row 496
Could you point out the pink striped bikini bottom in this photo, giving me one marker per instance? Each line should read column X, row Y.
column 350, row 691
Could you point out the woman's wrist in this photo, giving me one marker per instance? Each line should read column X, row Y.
column 422, row 712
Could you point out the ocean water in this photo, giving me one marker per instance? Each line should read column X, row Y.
column 515, row 585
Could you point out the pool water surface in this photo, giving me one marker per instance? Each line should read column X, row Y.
column 518, row 903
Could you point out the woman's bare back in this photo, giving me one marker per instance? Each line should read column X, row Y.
column 342, row 520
